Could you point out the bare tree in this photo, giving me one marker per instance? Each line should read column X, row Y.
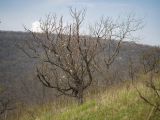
column 69, row 61
column 109, row 34
column 6, row 104
column 150, row 61
column 151, row 66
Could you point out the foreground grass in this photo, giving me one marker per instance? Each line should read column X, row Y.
column 116, row 103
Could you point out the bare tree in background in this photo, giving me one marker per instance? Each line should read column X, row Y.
column 150, row 61
column 151, row 66
column 6, row 104
column 69, row 61
column 109, row 34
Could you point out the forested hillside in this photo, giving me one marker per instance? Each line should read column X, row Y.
column 17, row 70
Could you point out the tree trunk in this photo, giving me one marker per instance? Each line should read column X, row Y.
column 80, row 95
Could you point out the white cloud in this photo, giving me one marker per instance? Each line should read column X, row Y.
column 36, row 27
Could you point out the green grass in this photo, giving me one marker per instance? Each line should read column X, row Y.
column 116, row 103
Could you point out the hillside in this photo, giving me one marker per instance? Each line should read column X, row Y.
column 114, row 98
column 119, row 102
column 17, row 70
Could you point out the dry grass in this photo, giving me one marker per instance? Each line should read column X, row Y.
column 119, row 102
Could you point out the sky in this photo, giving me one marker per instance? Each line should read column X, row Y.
column 14, row 14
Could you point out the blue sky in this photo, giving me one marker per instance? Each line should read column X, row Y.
column 16, row 13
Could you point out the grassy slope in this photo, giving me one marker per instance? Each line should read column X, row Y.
column 116, row 103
